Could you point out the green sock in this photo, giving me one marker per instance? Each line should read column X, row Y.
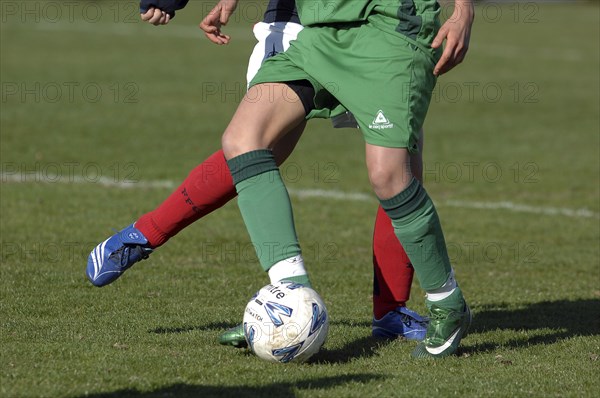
column 418, row 228
column 265, row 205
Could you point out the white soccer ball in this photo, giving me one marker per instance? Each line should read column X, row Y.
column 285, row 322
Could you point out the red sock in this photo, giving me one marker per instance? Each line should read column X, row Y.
column 393, row 272
column 207, row 187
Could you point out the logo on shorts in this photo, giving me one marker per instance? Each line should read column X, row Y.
column 381, row 122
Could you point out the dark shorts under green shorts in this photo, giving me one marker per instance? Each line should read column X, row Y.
column 383, row 79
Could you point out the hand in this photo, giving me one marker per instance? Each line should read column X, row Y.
column 156, row 17
column 217, row 17
column 457, row 33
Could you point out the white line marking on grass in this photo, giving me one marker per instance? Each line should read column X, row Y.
column 302, row 194
column 520, row 208
column 45, row 178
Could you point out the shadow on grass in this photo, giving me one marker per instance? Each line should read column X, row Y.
column 564, row 319
column 279, row 390
column 183, row 329
column 226, row 325
column 359, row 348
column 555, row 321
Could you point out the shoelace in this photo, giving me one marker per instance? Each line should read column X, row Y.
column 407, row 320
column 123, row 254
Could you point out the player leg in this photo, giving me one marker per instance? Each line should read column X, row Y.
column 392, row 136
column 262, row 197
column 268, row 112
column 418, row 228
column 391, row 126
column 393, row 275
column 208, row 187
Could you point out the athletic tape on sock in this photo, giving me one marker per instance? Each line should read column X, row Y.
column 290, row 267
column 445, row 291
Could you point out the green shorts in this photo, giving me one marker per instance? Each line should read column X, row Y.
column 383, row 79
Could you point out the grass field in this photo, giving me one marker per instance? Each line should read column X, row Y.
column 101, row 116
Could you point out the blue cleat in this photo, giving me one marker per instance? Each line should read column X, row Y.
column 116, row 254
column 401, row 323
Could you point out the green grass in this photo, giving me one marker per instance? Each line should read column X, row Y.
column 533, row 279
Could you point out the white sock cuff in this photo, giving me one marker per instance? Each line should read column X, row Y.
column 293, row 266
column 445, row 291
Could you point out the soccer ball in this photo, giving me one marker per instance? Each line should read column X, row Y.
column 285, row 322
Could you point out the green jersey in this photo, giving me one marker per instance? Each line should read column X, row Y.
column 318, row 12
column 415, row 19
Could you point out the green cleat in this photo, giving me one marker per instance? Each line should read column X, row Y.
column 446, row 328
column 234, row 337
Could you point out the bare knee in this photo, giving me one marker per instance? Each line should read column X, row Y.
column 387, row 183
column 230, row 144
column 244, row 135
column 389, row 170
